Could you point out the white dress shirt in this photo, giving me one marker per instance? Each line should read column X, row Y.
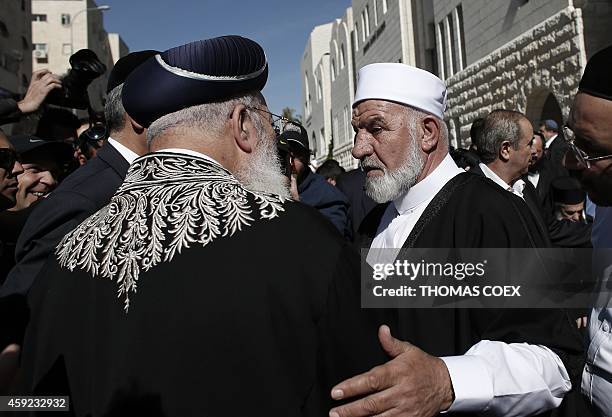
column 128, row 154
column 549, row 142
column 403, row 213
column 189, row 152
column 597, row 374
column 516, row 188
column 534, row 178
column 501, row 379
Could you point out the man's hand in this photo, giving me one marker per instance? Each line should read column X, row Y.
column 412, row 384
column 43, row 81
column 294, row 188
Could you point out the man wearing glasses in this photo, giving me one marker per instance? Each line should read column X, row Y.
column 589, row 133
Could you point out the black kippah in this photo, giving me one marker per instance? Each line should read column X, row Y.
column 567, row 190
column 196, row 73
column 597, row 78
column 125, row 66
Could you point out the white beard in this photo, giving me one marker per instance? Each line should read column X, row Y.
column 263, row 171
column 392, row 184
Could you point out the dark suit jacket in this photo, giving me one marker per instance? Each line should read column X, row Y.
column 555, row 153
column 82, row 193
column 351, row 184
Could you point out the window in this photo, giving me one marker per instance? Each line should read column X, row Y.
column 322, row 139
column 66, row 49
column 333, row 70
column 346, row 124
column 375, row 7
column 40, row 47
column 335, row 138
column 461, row 36
column 363, row 27
column 65, row 19
column 3, row 30
column 342, row 56
column 356, row 40
column 307, row 89
column 385, row 6
column 314, row 143
column 320, row 90
column 39, row 17
column 367, row 20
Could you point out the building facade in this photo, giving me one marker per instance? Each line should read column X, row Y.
column 526, row 55
column 316, row 90
column 370, row 31
column 62, row 27
column 15, row 47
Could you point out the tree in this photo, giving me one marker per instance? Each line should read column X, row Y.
column 289, row 113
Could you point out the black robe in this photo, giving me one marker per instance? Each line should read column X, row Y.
column 246, row 304
column 473, row 212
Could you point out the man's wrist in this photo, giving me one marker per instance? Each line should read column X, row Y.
column 24, row 107
column 446, row 392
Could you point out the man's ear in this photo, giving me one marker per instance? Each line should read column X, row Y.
column 137, row 128
column 243, row 128
column 504, row 150
column 431, row 133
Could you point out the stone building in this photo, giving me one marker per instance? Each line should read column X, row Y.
column 522, row 55
column 316, row 90
column 15, row 47
column 62, row 27
column 370, row 31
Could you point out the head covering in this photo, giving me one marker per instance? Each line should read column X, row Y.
column 296, row 139
column 26, row 145
column 597, row 77
column 125, row 66
column 550, row 124
column 403, row 84
column 196, row 73
column 567, row 190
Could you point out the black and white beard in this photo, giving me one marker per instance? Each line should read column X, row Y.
column 263, row 170
column 393, row 184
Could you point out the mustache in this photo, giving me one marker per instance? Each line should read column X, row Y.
column 369, row 162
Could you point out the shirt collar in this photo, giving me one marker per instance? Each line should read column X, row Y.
column 490, row 174
column 429, row 186
column 517, row 188
column 127, row 154
column 549, row 142
column 189, row 152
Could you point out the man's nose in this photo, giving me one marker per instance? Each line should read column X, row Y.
column 17, row 169
column 362, row 147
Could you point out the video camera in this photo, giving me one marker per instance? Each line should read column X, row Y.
column 85, row 67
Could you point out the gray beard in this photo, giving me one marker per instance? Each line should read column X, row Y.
column 263, row 173
column 393, row 184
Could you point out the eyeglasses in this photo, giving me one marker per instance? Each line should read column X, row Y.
column 8, row 157
column 91, row 137
column 581, row 156
column 279, row 123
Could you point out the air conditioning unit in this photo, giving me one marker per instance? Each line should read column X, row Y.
column 40, row 54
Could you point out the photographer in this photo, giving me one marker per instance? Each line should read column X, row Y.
column 43, row 82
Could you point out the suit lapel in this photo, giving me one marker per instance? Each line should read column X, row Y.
column 114, row 159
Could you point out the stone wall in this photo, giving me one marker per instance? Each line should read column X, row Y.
column 549, row 58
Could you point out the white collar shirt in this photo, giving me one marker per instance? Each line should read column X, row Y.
column 517, row 188
column 403, row 213
column 549, row 141
column 127, row 154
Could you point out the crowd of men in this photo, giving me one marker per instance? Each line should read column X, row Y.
column 180, row 256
